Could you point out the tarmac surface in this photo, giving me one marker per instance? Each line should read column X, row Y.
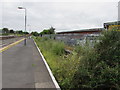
column 23, row 67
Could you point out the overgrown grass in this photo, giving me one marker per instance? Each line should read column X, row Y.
column 63, row 66
column 86, row 67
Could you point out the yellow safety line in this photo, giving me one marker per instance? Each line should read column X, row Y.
column 10, row 45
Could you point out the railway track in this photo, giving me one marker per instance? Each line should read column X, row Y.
column 8, row 37
column 6, row 40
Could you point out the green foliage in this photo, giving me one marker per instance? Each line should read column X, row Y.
column 99, row 67
column 63, row 66
column 21, row 32
column 48, row 31
column 26, row 33
column 57, row 48
column 87, row 67
column 5, row 31
column 35, row 33
column 109, row 48
column 45, row 32
column 12, row 31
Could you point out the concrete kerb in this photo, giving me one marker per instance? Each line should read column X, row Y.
column 49, row 70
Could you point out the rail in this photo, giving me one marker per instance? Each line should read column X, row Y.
column 8, row 37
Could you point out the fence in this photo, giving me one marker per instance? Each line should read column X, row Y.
column 75, row 39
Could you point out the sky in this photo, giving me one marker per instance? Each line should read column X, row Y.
column 63, row 15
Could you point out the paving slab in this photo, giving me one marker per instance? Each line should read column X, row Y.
column 23, row 67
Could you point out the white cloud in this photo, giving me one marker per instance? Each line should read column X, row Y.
column 62, row 15
column 61, row 0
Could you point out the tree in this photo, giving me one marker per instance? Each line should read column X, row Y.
column 11, row 31
column 99, row 68
column 35, row 33
column 5, row 30
column 25, row 32
column 48, row 31
column 52, row 30
column 45, row 32
column 19, row 32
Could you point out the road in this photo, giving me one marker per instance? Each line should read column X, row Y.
column 23, row 67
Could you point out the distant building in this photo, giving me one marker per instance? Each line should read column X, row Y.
column 113, row 24
column 84, row 31
column 79, row 36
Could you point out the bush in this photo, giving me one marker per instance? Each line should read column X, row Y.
column 86, row 67
column 99, row 68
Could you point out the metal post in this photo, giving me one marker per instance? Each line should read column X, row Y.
column 25, row 22
column 25, row 26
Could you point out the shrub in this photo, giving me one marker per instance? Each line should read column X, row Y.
column 87, row 67
column 99, row 68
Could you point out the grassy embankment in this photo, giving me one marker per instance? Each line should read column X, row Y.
column 63, row 66
column 85, row 67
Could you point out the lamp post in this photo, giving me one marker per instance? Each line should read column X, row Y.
column 25, row 21
column 29, row 28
